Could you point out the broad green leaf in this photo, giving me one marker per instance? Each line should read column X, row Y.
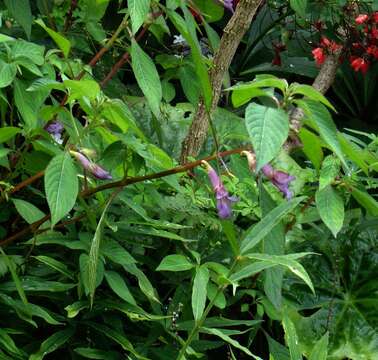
column 21, row 11
column 299, row 6
column 117, row 253
column 199, row 293
column 175, row 263
column 29, row 212
column 63, row 43
column 261, row 82
column 118, row 285
column 5, row 38
column 242, row 96
column 291, row 338
column 55, row 264
column 324, row 124
column 331, row 208
column 287, row 261
column 45, row 84
column 82, row 88
column 53, row 343
column 320, row 350
column 279, row 351
column 27, row 50
column 8, row 132
column 61, row 186
column 94, row 253
column 147, row 77
column 330, row 169
column 138, row 11
column 268, row 129
column 309, row 91
column 353, row 153
column 226, row 338
column 366, row 200
column 7, row 73
column 258, row 231
column 250, row 270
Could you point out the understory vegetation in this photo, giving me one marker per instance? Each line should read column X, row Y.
column 188, row 179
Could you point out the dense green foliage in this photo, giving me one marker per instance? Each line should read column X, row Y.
column 110, row 249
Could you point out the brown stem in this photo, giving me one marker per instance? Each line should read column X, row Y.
column 118, row 184
column 125, row 57
column 232, row 35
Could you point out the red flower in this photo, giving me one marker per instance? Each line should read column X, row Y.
column 325, row 42
column 330, row 45
column 374, row 32
column 319, row 55
column 359, row 64
column 360, row 19
column 375, row 17
column 373, row 51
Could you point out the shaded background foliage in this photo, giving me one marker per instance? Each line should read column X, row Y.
column 148, row 269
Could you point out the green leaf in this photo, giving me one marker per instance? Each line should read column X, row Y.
column 366, row 200
column 299, row 6
column 8, row 132
column 55, row 264
column 117, row 253
column 287, row 261
column 175, row 263
column 82, row 88
column 320, row 350
column 310, row 92
column 61, row 186
column 258, row 231
column 226, row 338
column 7, row 344
column 91, row 353
column 53, row 343
column 94, row 253
column 242, row 96
column 199, row 292
column 118, row 285
column 138, row 11
column 331, row 208
column 59, row 39
column 7, row 73
column 74, row 309
column 268, row 129
column 324, row 124
column 291, row 338
column 187, row 28
column 330, row 169
column 27, row 50
column 147, row 77
column 117, row 337
column 16, row 280
column 29, row 212
column 261, row 82
column 21, row 11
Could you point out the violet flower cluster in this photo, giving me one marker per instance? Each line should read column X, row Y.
column 223, row 198
column 279, row 179
column 96, row 170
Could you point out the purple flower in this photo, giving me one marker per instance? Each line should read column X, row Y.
column 229, row 5
column 279, row 179
column 96, row 170
column 55, row 129
column 224, row 200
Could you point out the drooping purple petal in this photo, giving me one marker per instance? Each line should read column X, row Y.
column 96, row 170
column 224, row 200
column 279, row 179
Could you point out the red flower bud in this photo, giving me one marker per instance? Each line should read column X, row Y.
column 359, row 64
column 360, row 19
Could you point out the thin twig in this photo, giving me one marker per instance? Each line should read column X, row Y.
column 68, row 21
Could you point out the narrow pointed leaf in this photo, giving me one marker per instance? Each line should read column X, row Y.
column 199, row 292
